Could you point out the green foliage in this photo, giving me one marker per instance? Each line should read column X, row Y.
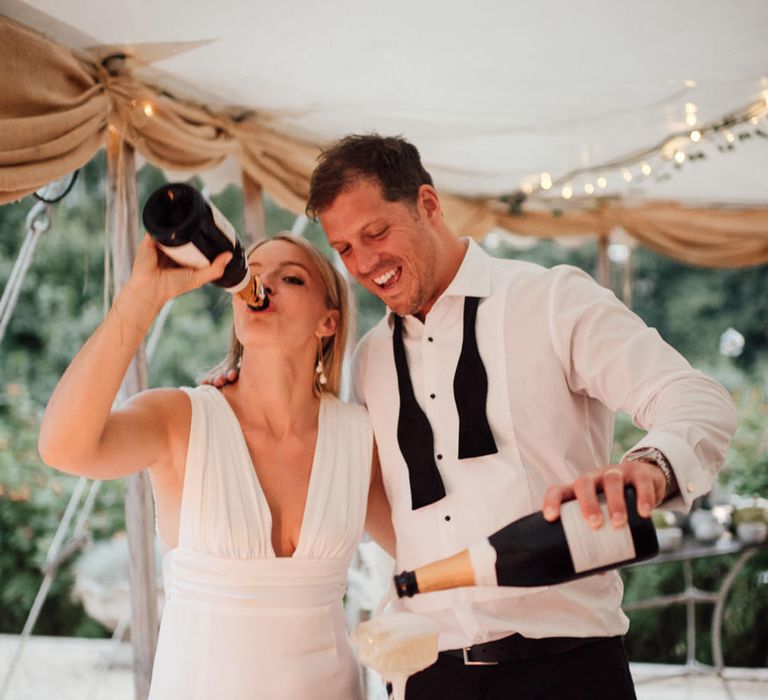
column 746, row 471
column 692, row 307
column 656, row 635
column 32, row 502
column 61, row 301
column 745, row 635
column 195, row 337
column 659, row 635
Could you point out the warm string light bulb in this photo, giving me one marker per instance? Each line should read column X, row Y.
column 673, row 149
column 148, row 109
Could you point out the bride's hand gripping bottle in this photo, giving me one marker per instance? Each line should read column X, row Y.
column 192, row 232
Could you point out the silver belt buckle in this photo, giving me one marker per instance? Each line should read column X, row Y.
column 467, row 662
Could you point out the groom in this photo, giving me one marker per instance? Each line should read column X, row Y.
column 492, row 387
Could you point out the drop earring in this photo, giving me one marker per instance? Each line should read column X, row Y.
column 319, row 369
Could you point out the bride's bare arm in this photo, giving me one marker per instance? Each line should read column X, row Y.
column 378, row 518
column 81, row 433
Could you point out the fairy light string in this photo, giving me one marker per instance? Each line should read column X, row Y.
column 674, row 150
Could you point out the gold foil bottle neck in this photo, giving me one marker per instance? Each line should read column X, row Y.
column 254, row 294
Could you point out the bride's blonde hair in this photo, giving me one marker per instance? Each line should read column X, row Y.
column 336, row 298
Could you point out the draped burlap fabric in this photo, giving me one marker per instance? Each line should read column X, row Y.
column 698, row 236
column 53, row 112
column 55, row 109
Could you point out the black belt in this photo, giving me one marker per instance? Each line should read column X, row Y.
column 516, row 648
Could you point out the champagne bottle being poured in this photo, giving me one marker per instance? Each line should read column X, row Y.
column 535, row 552
column 192, row 232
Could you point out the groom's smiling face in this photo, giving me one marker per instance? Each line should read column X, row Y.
column 389, row 247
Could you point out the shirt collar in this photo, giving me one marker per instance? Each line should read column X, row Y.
column 472, row 279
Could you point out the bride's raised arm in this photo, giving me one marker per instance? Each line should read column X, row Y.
column 81, row 433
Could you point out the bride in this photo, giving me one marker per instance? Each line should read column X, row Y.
column 261, row 488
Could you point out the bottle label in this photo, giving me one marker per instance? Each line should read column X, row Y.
column 593, row 549
column 187, row 255
column 483, row 558
column 222, row 223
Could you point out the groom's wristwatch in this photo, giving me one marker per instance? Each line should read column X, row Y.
column 656, row 456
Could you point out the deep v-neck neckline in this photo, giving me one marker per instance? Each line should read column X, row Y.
column 257, row 484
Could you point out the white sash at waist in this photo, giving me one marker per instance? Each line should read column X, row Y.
column 280, row 582
column 240, row 629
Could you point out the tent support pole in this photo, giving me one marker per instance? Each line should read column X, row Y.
column 603, row 262
column 253, row 210
column 123, row 231
column 626, row 294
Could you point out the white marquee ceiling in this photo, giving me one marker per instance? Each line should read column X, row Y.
column 493, row 92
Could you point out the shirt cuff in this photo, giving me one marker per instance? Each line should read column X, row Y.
column 692, row 479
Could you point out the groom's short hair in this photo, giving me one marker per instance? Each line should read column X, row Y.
column 390, row 161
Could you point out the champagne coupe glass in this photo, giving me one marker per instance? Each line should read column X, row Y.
column 396, row 645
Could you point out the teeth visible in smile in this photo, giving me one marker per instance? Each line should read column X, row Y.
column 385, row 277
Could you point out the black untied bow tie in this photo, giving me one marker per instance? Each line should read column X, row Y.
column 414, row 433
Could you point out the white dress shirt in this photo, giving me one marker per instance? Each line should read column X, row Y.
column 562, row 355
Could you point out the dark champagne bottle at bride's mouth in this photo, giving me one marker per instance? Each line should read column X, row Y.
column 193, row 232
column 535, row 552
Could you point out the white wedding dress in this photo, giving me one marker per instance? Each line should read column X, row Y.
column 240, row 623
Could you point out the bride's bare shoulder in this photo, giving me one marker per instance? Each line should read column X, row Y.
column 172, row 408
